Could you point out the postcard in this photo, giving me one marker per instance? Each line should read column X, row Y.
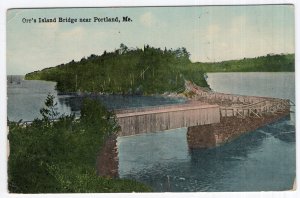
column 151, row 99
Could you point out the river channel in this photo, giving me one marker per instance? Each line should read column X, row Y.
column 263, row 160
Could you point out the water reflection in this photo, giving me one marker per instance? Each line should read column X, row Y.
column 118, row 101
column 236, row 150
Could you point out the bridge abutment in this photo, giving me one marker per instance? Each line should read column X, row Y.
column 212, row 135
column 202, row 136
column 212, row 120
column 107, row 161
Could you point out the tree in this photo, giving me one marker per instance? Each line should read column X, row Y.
column 96, row 116
column 49, row 112
column 123, row 48
column 185, row 53
column 61, row 157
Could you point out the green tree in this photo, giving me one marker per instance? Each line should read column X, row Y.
column 124, row 71
column 60, row 157
column 96, row 116
column 123, row 48
column 49, row 112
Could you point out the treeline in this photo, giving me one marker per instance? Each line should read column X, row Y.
column 60, row 156
column 269, row 63
column 126, row 71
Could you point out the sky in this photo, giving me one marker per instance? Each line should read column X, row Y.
column 209, row 33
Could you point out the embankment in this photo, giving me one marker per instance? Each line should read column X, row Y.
column 212, row 135
column 107, row 160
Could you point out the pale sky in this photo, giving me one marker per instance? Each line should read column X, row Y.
column 210, row 33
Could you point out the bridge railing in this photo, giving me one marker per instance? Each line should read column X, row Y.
column 27, row 122
column 256, row 109
column 234, row 98
column 251, row 105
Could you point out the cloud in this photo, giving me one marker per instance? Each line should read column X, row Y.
column 213, row 29
column 212, row 32
column 77, row 31
column 238, row 24
column 221, row 34
column 239, row 21
column 148, row 19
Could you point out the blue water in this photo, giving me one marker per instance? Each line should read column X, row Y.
column 271, row 84
column 26, row 98
column 263, row 160
column 120, row 101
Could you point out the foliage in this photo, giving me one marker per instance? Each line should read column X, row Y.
column 269, row 63
column 149, row 70
column 49, row 112
column 126, row 71
column 59, row 156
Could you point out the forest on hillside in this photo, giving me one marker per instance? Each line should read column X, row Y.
column 126, row 71
column 268, row 63
column 149, row 70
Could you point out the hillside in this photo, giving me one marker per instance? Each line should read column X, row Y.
column 125, row 71
column 149, row 70
column 269, row 63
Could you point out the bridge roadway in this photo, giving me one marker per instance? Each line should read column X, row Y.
column 207, row 108
column 239, row 105
column 152, row 119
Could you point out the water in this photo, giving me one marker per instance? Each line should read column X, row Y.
column 260, row 160
column 271, row 84
column 27, row 97
column 119, row 101
column 263, row 160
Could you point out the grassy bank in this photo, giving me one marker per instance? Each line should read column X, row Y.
column 60, row 156
column 269, row 63
column 126, row 71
